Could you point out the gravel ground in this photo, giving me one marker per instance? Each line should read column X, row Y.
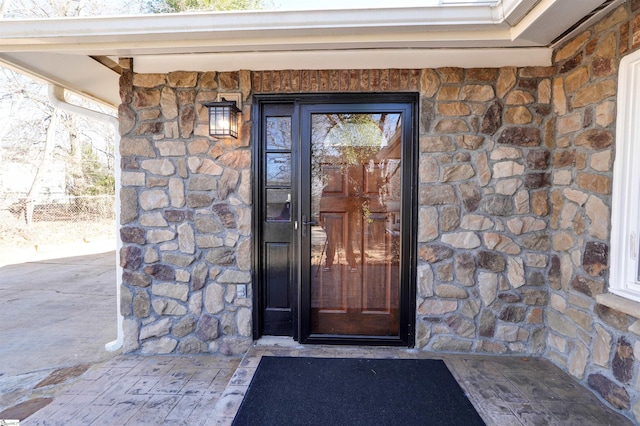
column 16, row 233
column 42, row 239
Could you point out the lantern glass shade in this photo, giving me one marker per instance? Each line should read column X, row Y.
column 223, row 118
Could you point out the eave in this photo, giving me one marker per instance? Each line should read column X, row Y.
column 61, row 51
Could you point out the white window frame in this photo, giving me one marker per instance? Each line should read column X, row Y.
column 625, row 208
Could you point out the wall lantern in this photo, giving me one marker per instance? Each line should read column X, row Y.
column 223, row 118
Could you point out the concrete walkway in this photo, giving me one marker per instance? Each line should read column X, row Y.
column 142, row 390
column 58, row 310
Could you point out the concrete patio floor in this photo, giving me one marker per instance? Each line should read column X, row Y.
column 208, row 389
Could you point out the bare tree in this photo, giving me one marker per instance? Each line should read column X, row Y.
column 34, row 136
column 217, row 5
column 59, row 8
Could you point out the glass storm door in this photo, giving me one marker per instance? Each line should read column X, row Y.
column 335, row 240
column 352, row 220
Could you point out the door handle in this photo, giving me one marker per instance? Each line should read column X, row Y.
column 305, row 222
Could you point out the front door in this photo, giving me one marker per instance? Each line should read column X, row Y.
column 336, row 249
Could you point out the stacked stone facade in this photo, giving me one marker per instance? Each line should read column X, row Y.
column 596, row 344
column 185, row 220
column 483, row 240
column 514, row 184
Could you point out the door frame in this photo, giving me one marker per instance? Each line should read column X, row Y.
column 409, row 221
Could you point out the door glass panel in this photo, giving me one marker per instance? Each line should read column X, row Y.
column 279, row 205
column 278, row 169
column 278, row 133
column 355, row 245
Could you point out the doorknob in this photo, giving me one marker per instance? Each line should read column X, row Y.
column 311, row 222
column 305, row 222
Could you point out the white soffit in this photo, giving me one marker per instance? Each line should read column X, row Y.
column 548, row 20
column 80, row 74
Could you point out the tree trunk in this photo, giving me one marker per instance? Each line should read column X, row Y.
column 44, row 161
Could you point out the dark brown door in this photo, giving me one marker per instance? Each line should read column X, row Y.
column 354, row 251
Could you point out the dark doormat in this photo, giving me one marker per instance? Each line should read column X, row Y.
column 349, row 391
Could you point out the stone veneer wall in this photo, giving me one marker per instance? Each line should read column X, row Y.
column 596, row 344
column 484, row 157
column 483, row 239
column 514, row 194
column 185, row 218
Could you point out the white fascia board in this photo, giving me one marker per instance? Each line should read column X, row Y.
column 237, row 24
column 269, row 43
column 347, row 59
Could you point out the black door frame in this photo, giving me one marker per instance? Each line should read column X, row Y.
column 409, row 221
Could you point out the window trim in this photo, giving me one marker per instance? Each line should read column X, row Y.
column 625, row 206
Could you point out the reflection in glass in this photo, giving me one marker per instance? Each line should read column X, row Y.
column 355, row 199
column 278, row 205
column 278, row 169
column 279, row 133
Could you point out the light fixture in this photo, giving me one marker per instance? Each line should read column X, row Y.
column 223, row 118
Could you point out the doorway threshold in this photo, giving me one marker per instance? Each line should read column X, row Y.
column 280, row 341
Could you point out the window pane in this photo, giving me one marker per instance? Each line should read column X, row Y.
column 279, row 133
column 278, row 169
column 279, row 205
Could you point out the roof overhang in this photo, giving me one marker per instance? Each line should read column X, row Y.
column 482, row 34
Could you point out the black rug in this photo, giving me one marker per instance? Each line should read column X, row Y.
column 339, row 391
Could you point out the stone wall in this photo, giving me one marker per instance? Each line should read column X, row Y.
column 185, row 219
column 483, row 239
column 594, row 343
column 514, row 208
